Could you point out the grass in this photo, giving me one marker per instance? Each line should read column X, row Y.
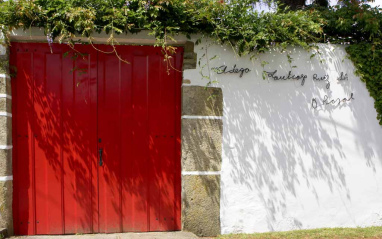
column 335, row 233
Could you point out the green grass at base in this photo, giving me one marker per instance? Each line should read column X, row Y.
column 337, row 233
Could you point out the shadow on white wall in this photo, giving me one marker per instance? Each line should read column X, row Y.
column 288, row 166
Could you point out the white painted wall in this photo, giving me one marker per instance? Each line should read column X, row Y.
column 285, row 165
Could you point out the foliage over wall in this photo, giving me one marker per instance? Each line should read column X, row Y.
column 368, row 59
column 235, row 22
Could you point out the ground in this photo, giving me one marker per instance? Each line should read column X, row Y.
column 332, row 233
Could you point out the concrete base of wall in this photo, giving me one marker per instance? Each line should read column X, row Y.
column 201, row 204
column 3, row 233
column 6, row 217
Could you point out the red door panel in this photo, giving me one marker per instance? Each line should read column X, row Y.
column 55, row 119
column 109, row 124
column 162, row 138
column 139, row 139
column 139, row 115
column 123, row 132
column 71, row 105
column 23, row 165
column 47, row 133
column 79, row 119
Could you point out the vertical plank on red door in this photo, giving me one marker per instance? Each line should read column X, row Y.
column 109, row 133
column 23, row 164
column 127, row 149
column 167, row 147
column 47, row 139
column 79, row 140
column 164, row 120
column 139, row 155
column 93, row 124
column 15, row 211
column 155, row 137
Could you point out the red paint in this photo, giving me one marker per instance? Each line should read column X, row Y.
column 66, row 109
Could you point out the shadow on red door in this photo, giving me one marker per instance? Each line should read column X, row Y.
column 96, row 140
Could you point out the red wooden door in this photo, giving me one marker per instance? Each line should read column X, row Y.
column 55, row 158
column 61, row 121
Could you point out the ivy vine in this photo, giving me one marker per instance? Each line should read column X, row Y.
column 368, row 58
column 233, row 22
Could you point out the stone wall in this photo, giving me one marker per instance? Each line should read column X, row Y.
column 6, row 186
column 202, row 129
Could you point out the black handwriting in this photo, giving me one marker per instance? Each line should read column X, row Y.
column 327, row 101
column 301, row 77
column 324, row 78
column 343, row 77
column 223, row 70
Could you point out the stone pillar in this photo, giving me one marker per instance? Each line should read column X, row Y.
column 6, row 186
column 202, row 128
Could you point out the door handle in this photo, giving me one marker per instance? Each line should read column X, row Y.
column 100, row 151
